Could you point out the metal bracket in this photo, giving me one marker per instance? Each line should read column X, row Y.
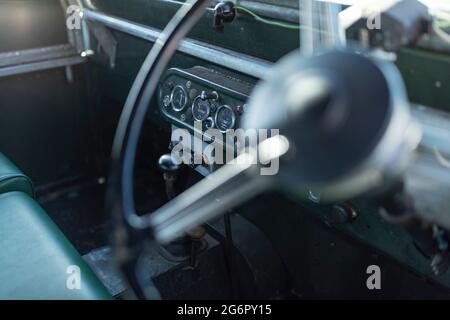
column 106, row 42
column 38, row 59
column 76, row 36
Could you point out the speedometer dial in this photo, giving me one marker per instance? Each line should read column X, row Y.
column 201, row 109
column 225, row 118
column 179, row 98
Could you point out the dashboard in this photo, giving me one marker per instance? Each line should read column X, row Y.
column 203, row 96
column 204, row 102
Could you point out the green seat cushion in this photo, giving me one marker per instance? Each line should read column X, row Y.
column 35, row 256
column 12, row 179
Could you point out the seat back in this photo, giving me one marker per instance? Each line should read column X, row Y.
column 36, row 259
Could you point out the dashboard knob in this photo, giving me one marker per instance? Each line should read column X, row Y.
column 213, row 95
column 209, row 123
column 224, row 12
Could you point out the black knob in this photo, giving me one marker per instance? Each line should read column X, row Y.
column 209, row 123
column 209, row 95
column 168, row 164
column 224, row 12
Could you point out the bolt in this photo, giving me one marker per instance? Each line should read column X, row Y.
column 343, row 213
column 87, row 53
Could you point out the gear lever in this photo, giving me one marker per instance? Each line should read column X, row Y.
column 171, row 169
column 188, row 245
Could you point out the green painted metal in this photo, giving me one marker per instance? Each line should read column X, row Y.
column 373, row 231
column 244, row 35
column 427, row 77
column 325, row 261
column 426, row 73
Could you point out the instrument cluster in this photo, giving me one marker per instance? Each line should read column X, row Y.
column 203, row 96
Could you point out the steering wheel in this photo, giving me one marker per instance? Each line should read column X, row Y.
column 344, row 90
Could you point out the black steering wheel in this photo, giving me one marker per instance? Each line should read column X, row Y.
column 346, row 91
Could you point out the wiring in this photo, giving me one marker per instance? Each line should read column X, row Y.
column 268, row 21
column 281, row 24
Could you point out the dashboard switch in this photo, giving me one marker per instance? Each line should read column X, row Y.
column 209, row 123
column 213, row 95
column 240, row 110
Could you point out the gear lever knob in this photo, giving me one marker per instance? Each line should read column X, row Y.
column 168, row 164
column 170, row 168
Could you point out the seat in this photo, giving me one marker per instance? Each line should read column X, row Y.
column 12, row 179
column 36, row 258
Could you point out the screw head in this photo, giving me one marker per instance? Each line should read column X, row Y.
column 342, row 213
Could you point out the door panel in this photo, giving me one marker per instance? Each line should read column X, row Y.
column 44, row 126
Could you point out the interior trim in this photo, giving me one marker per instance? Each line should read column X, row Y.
column 230, row 59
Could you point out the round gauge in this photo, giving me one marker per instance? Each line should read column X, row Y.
column 225, row 118
column 201, row 109
column 179, row 98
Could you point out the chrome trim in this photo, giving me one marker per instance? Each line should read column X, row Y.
column 78, row 38
column 171, row 98
column 230, row 59
column 233, row 123
column 8, row 59
column 40, row 66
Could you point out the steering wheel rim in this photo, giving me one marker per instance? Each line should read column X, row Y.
column 129, row 229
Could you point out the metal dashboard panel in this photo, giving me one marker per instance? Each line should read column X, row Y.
column 231, row 92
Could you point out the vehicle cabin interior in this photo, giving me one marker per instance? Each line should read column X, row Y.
column 224, row 150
